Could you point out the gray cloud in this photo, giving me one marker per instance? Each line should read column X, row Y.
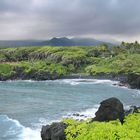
column 40, row 19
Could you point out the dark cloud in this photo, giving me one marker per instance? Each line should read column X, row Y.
column 23, row 19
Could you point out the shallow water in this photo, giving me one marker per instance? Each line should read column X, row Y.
column 26, row 105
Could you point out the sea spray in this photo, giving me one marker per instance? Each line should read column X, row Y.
column 12, row 129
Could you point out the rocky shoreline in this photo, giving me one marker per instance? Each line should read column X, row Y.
column 129, row 80
column 110, row 109
column 56, row 131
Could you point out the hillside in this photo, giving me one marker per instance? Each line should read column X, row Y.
column 42, row 63
column 53, row 42
column 75, row 42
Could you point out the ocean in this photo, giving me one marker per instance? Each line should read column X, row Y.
column 27, row 105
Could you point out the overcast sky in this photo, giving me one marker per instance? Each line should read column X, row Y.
column 43, row 19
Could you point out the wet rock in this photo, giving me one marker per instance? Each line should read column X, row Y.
column 83, row 116
column 55, row 131
column 76, row 114
column 121, row 84
column 131, row 110
column 110, row 109
column 134, row 81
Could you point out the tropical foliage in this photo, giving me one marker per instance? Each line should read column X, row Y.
column 113, row 130
column 91, row 60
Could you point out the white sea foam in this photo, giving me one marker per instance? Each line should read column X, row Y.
column 86, row 81
column 138, row 92
column 44, row 121
column 30, row 81
column 135, row 93
column 105, row 81
column 70, row 81
column 14, row 129
column 82, row 115
column 29, row 134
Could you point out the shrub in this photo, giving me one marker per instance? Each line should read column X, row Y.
column 113, row 130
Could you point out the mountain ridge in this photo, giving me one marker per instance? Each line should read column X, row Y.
column 63, row 41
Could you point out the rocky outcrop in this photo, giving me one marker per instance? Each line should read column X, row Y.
column 133, row 80
column 110, row 109
column 55, row 131
column 131, row 110
column 130, row 80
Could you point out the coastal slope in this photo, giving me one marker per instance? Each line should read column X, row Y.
column 48, row 63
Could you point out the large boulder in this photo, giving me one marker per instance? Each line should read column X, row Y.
column 110, row 109
column 55, row 131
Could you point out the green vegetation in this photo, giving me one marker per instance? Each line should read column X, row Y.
column 113, row 130
column 6, row 70
column 41, row 66
column 41, row 63
column 123, row 63
column 67, row 60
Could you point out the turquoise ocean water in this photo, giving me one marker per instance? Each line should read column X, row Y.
column 27, row 105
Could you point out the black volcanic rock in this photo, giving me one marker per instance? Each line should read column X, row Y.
column 55, row 131
column 131, row 110
column 133, row 80
column 110, row 109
